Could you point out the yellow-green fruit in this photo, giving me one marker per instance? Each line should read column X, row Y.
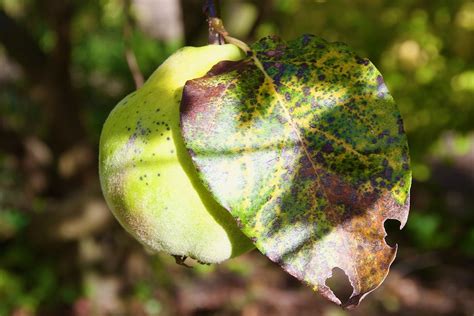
column 148, row 178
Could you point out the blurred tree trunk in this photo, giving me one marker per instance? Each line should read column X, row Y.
column 48, row 75
column 194, row 21
column 64, row 118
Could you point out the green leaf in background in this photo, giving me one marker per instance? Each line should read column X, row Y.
column 304, row 145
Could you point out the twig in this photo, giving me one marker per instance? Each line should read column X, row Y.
column 217, row 32
column 129, row 53
column 211, row 9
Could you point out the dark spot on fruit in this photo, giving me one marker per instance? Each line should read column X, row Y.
column 158, row 174
column 167, row 138
column 141, row 178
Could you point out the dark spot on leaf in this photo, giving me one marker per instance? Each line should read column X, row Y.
column 327, row 148
column 380, row 80
column 306, row 91
column 306, row 39
column 362, row 61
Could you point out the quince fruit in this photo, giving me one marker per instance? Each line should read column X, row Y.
column 147, row 176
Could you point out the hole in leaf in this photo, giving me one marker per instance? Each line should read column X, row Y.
column 340, row 285
column 392, row 228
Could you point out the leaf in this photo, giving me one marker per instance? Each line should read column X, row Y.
column 304, row 145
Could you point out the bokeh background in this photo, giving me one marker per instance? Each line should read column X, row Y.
column 64, row 64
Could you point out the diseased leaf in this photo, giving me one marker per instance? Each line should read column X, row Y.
column 305, row 146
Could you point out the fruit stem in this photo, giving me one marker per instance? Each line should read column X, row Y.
column 217, row 32
column 211, row 9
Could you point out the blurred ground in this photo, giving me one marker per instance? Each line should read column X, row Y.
column 63, row 68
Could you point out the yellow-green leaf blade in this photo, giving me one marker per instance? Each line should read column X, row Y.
column 305, row 147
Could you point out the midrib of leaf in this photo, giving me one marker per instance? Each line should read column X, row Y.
column 292, row 123
column 325, row 134
column 298, row 134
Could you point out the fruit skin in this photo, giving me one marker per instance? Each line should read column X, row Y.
column 147, row 176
